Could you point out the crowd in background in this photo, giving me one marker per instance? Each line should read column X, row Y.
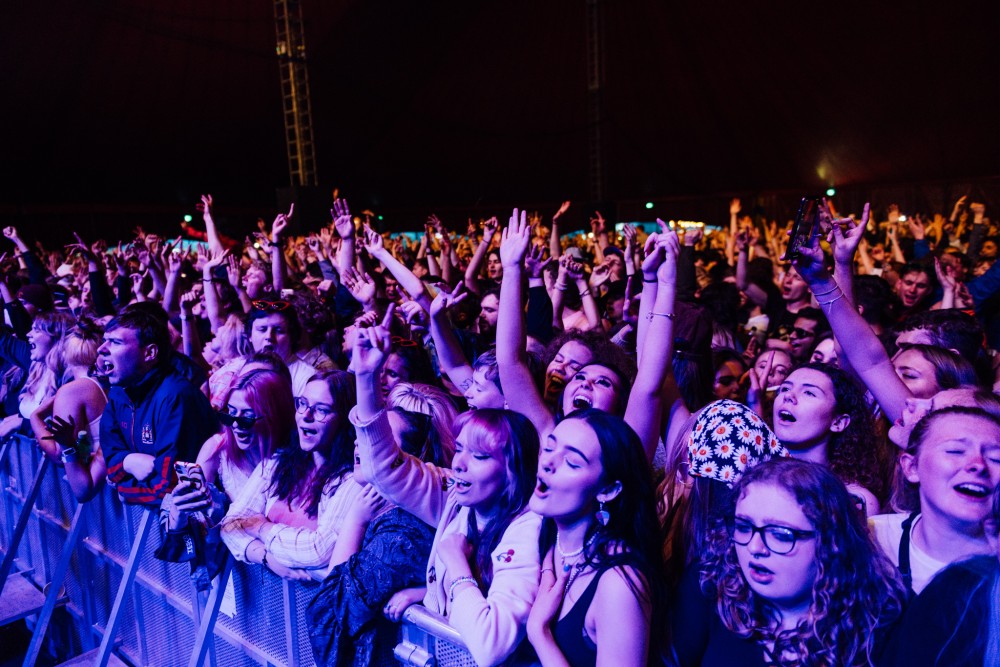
column 631, row 446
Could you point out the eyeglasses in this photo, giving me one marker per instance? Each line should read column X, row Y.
column 778, row 539
column 236, row 421
column 402, row 342
column 799, row 332
column 270, row 306
column 321, row 411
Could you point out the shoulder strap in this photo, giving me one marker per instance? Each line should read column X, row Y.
column 904, row 552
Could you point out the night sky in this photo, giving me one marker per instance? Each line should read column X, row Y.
column 141, row 106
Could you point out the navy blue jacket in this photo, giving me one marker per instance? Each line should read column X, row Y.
column 162, row 415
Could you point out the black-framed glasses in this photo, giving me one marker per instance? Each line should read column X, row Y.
column 243, row 423
column 321, row 411
column 270, row 306
column 799, row 332
column 777, row 539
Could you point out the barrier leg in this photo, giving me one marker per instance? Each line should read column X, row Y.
column 291, row 631
column 203, row 642
column 22, row 521
column 128, row 578
column 53, row 597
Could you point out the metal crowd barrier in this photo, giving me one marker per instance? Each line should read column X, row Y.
column 258, row 619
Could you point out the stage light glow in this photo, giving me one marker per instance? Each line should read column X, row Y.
column 649, row 204
column 830, row 192
column 188, row 218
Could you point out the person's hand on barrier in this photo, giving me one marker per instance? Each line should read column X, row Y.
column 290, row 573
column 9, row 425
column 401, row 601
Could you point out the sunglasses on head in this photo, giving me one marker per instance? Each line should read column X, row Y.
column 403, row 342
column 236, row 421
column 270, row 306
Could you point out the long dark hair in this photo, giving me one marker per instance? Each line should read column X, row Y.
column 512, row 433
column 633, row 536
column 857, row 593
column 854, row 454
column 294, row 476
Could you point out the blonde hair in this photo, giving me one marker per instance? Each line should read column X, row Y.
column 431, row 401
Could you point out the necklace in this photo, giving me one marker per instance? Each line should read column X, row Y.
column 572, row 554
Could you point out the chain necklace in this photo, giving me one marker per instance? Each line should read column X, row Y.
column 572, row 554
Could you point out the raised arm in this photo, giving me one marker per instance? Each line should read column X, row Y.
column 863, row 350
column 449, row 350
column 845, row 244
column 472, row 272
column 555, row 247
column 644, row 409
column 344, row 224
column 418, row 487
column 753, row 292
column 212, row 307
column 518, row 385
column 211, row 233
column 277, row 252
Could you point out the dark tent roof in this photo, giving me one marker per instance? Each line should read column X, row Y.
column 422, row 103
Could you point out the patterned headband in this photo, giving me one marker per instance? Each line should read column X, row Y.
column 729, row 438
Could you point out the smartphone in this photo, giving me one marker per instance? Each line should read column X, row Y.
column 804, row 227
column 191, row 473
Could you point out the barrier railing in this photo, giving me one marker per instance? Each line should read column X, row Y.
column 75, row 557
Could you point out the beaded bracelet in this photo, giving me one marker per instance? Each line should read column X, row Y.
column 456, row 582
column 669, row 316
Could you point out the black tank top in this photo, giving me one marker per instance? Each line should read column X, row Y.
column 571, row 636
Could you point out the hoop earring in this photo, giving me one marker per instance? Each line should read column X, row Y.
column 602, row 515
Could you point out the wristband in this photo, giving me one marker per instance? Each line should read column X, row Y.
column 457, row 582
column 263, row 559
column 68, row 455
column 669, row 316
column 584, row 293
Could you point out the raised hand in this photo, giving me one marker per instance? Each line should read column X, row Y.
column 959, row 205
column 514, row 240
column 573, row 270
column 10, row 232
column 281, row 223
column 188, row 301
column 205, row 206
column 734, row 206
column 490, row 228
column 562, row 210
column 414, row 316
column 597, row 223
column 809, row 263
column 918, row 228
column 360, row 285
column 535, row 262
column 667, row 271
column 445, row 301
column 342, row 220
column 213, row 260
column 893, row 214
column 846, row 234
column 692, row 235
column 374, row 243
column 600, row 274
column 372, row 346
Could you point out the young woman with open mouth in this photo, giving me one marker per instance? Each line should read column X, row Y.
column 482, row 573
column 601, row 585
column 288, row 515
column 604, row 385
column 783, row 579
column 951, row 467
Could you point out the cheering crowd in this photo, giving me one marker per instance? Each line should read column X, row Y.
column 617, row 448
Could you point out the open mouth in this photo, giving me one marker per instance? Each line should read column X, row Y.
column 460, row 483
column 556, row 383
column 308, row 432
column 972, row 490
column 581, row 402
column 542, row 488
column 786, row 416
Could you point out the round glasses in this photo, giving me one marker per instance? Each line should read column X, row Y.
column 777, row 539
column 321, row 411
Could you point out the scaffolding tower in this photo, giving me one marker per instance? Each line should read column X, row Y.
column 595, row 105
column 291, row 50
